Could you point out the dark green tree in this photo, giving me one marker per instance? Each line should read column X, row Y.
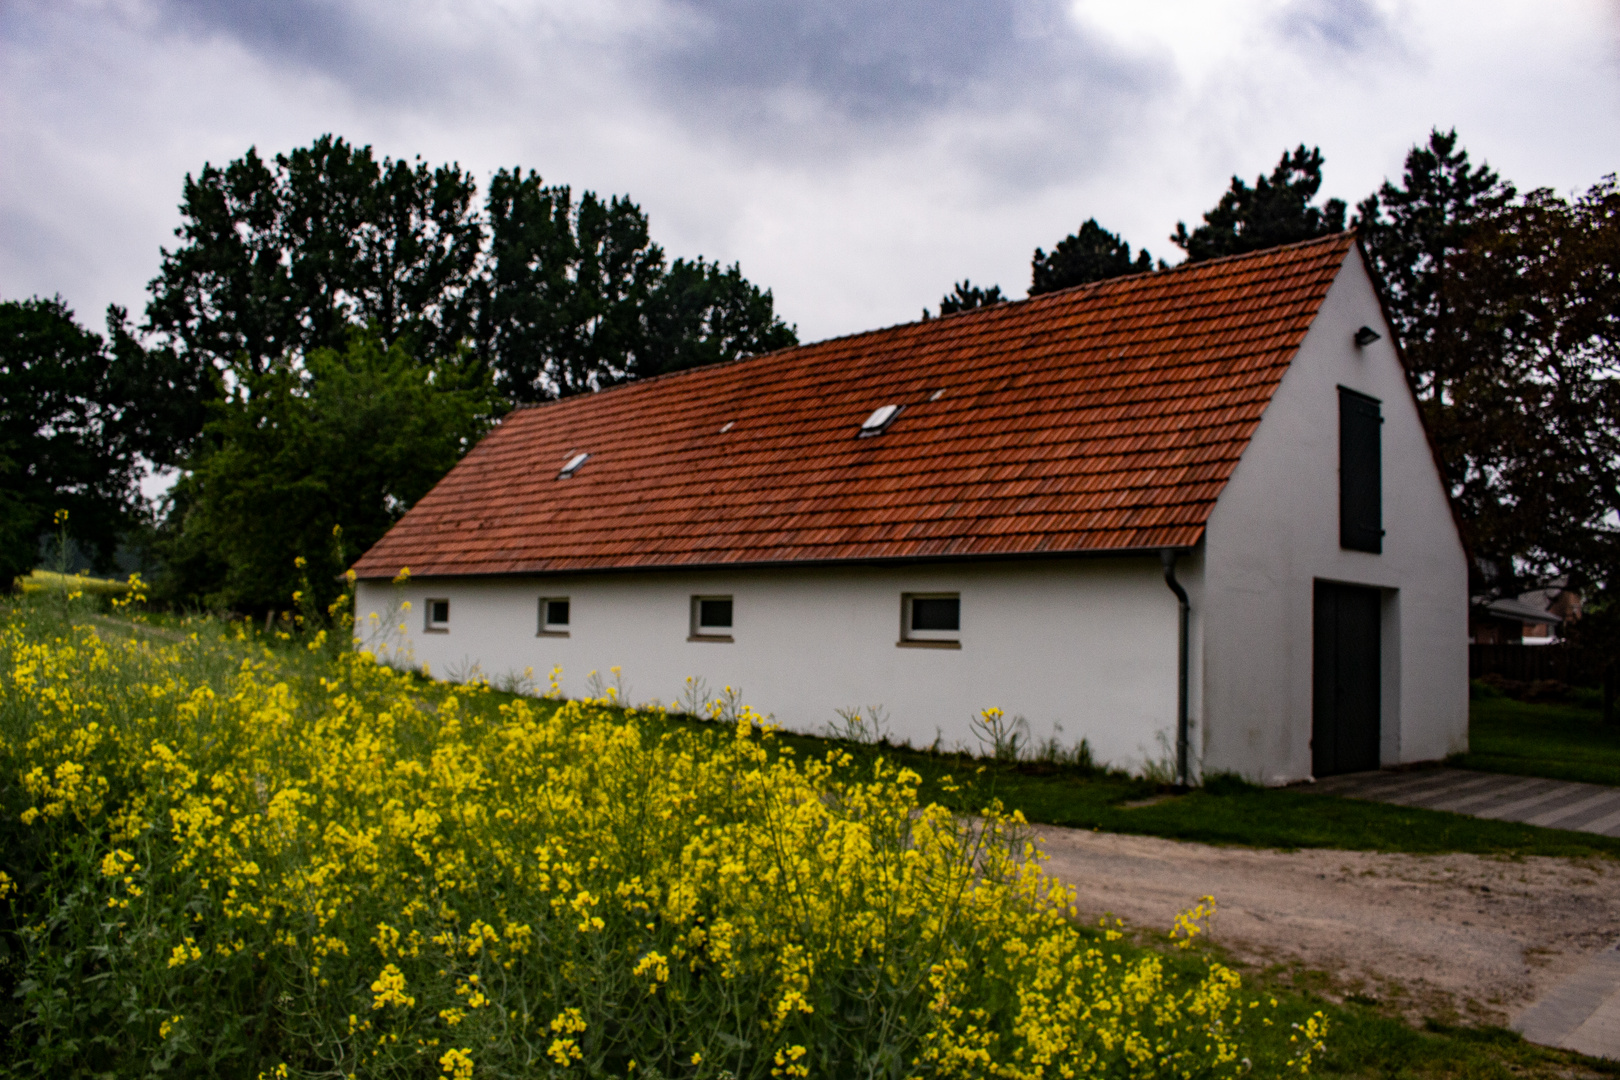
column 347, row 438
column 171, row 394
column 578, row 296
column 1413, row 235
column 70, row 415
column 280, row 261
column 1509, row 311
column 569, row 285
column 1090, row 254
column 1523, row 391
column 1276, row 210
column 705, row 313
column 967, row 296
column 1507, row 320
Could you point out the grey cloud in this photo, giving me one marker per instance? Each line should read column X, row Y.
column 1340, row 26
column 375, row 50
column 324, row 35
column 857, row 60
column 1013, row 87
column 864, row 60
column 321, row 33
column 1031, row 92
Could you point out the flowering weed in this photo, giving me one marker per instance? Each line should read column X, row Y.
column 225, row 860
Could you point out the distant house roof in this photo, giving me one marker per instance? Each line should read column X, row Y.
column 1520, row 610
column 1104, row 418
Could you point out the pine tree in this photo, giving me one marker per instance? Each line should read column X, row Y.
column 1091, row 253
column 967, row 296
column 1276, row 210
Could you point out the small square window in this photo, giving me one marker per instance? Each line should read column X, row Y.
column 438, row 616
column 554, row 616
column 711, row 618
column 931, row 618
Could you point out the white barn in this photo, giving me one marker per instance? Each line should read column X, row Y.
column 980, row 510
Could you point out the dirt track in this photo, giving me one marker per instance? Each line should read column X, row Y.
column 1483, row 936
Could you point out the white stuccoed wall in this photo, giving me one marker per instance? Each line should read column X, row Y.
column 1085, row 644
column 1088, row 644
column 1276, row 529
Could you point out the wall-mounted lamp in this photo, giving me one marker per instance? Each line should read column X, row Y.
column 1366, row 336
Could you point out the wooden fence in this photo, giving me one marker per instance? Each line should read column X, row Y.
column 1529, row 663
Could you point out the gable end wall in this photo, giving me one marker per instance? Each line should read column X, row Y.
column 1275, row 530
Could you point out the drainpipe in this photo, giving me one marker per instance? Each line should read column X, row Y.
column 1167, row 557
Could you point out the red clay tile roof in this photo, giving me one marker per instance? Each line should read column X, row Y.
column 1103, row 418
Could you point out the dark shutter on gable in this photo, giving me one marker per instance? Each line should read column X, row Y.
column 1361, row 484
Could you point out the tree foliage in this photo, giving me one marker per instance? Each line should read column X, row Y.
column 1530, row 428
column 579, row 297
column 558, row 296
column 1509, row 309
column 286, row 423
column 280, row 261
column 1091, row 253
column 74, row 414
column 707, row 313
column 967, row 296
column 1276, row 210
column 568, row 287
column 348, row 438
column 1414, row 234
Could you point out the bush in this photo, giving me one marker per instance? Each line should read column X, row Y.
column 224, row 860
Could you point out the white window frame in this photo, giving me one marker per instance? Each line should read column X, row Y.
column 430, row 625
column 551, row 629
column 939, row 639
column 699, row 632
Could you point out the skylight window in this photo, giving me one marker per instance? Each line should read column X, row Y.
column 879, row 420
column 573, row 465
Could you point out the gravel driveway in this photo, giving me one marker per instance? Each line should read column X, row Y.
column 1482, row 935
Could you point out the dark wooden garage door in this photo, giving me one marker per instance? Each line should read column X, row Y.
column 1344, row 722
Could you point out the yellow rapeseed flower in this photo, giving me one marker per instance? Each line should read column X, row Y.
column 571, row 875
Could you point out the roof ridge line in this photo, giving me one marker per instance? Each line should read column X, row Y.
column 1183, row 265
column 1072, row 290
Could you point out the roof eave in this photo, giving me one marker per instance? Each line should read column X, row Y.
column 1079, row 554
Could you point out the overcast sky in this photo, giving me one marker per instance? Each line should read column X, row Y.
column 856, row 158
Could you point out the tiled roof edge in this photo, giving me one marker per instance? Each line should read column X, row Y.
column 1081, row 554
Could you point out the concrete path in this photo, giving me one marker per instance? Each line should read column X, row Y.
column 1582, row 1013
column 1557, row 804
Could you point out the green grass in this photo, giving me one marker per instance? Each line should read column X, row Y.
column 1385, row 1037
column 1384, row 1034
column 1562, row 742
column 1366, row 1041
column 1238, row 814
